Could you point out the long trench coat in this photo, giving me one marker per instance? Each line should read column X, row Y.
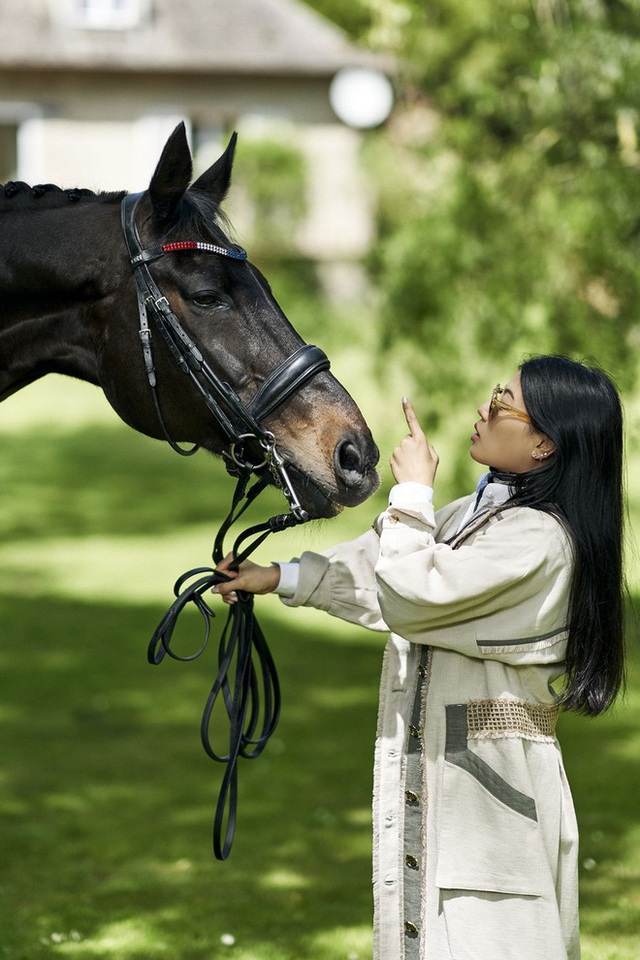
column 475, row 836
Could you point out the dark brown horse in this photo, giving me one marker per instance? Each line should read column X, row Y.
column 70, row 305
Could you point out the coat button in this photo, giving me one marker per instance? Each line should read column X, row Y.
column 414, row 732
column 412, row 862
column 410, row 928
column 411, row 797
column 422, row 670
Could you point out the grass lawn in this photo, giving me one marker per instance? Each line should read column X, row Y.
column 106, row 797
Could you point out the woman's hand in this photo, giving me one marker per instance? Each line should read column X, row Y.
column 249, row 576
column 415, row 458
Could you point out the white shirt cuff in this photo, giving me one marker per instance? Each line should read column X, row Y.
column 409, row 493
column 289, row 576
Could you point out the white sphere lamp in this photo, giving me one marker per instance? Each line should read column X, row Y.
column 361, row 97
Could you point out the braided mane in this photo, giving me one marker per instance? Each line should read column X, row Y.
column 18, row 194
column 198, row 213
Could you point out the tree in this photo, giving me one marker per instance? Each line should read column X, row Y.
column 509, row 183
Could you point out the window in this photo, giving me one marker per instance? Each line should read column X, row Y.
column 108, row 14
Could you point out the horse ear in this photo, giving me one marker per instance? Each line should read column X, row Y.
column 215, row 181
column 172, row 176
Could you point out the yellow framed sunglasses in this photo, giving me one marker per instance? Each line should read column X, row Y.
column 496, row 404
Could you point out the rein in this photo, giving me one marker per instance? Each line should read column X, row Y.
column 247, row 681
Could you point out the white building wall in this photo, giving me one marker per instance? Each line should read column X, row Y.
column 100, row 155
column 339, row 203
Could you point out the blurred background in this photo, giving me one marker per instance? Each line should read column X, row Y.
column 435, row 190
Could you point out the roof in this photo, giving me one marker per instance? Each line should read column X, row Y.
column 273, row 37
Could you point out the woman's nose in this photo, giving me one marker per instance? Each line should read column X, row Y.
column 483, row 410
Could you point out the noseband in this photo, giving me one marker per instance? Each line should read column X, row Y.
column 240, row 422
column 246, row 678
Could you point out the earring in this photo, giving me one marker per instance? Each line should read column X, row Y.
column 540, row 456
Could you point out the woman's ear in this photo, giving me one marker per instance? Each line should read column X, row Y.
column 544, row 449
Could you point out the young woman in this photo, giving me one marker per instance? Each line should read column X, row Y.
column 490, row 602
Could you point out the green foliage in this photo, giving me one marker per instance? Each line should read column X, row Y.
column 272, row 174
column 509, row 181
column 270, row 177
column 526, row 231
column 354, row 17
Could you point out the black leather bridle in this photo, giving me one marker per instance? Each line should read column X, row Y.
column 247, row 678
column 241, row 423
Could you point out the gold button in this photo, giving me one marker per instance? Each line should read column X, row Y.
column 411, row 797
column 422, row 670
column 393, row 519
column 414, row 732
column 412, row 862
column 410, row 927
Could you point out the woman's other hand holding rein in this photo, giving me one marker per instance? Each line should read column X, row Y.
column 251, row 577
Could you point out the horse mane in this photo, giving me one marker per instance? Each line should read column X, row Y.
column 18, row 194
column 199, row 215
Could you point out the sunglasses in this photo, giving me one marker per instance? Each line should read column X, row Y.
column 496, row 404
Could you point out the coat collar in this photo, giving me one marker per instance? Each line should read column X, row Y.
column 477, row 521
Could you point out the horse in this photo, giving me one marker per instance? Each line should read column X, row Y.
column 220, row 366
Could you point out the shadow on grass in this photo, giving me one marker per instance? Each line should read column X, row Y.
column 107, row 799
column 107, row 479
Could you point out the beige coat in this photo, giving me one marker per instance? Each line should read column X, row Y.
column 475, row 838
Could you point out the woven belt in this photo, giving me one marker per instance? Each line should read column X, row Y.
column 487, row 719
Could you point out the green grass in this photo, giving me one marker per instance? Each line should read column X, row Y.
column 106, row 797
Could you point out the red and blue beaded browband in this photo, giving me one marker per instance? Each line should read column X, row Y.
column 154, row 253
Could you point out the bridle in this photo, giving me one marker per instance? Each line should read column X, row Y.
column 240, row 422
column 247, row 677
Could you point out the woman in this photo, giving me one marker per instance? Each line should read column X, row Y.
column 490, row 602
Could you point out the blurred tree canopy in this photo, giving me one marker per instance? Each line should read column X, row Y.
column 509, row 183
column 273, row 175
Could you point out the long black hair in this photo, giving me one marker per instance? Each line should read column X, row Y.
column 578, row 408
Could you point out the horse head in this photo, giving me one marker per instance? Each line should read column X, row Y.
column 227, row 309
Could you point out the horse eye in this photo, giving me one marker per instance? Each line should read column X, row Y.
column 207, row 299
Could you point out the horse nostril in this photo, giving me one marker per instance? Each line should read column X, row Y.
column 350, row 461
column 355, row 458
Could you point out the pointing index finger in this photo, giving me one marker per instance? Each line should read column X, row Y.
column 412, row 421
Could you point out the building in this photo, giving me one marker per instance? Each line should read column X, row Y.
column 90, row 89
